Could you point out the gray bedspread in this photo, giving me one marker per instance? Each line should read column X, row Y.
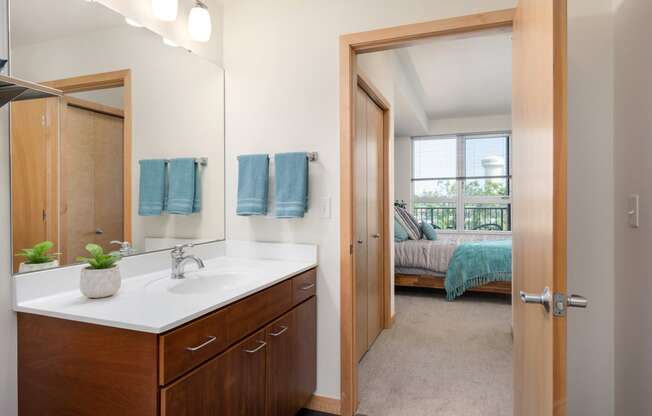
column 435, row 255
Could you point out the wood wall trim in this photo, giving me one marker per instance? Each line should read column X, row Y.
column 406, row 35
column 350, row 46
column 101, row 81
column 93, row 106
column 324, row 404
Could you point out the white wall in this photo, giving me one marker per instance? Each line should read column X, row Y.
column 633, row 167
column 482, row 124
column 281, row 60
column 403, row 169
column 178, row 102
column 590, row 207
column 8, row 383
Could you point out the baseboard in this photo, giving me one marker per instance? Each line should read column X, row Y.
column 324, row 404
column 392, row 320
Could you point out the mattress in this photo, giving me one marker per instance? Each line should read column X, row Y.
column 431, row 257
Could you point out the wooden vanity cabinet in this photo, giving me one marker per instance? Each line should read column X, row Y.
column 258, row 359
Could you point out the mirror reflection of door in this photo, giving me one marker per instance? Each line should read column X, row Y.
column 51, row 138
column 34, row 134
column 92, row 204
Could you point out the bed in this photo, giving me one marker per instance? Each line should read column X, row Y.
column 456, row 263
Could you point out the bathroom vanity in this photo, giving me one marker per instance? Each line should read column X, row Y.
column 237, row 338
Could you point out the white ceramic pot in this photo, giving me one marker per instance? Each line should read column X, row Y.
column 27, row 267
column 100, row 283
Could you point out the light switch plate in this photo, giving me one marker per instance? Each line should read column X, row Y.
column 325, row 207
column 632, row 210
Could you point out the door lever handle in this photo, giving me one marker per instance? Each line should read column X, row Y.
column 543, row 299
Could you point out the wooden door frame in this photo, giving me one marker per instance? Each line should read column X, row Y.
column 350, row 46
column 101, row 81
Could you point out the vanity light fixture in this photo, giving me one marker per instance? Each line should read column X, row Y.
column 199, row 22
column 165, row 10
column 168, row 42
column 132, row 22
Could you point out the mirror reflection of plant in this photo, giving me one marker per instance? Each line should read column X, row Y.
column 39, row 253
column 98, row 259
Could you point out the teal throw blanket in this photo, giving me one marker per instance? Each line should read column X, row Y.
column 478, row 263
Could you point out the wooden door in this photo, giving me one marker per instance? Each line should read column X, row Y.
column 280, row 363
column 539, row 228
column 34, row 143
column 92, row 202
column 361, row 243
column 374, row 220
column 368, row 191
column 232, row 384
column 109, row 170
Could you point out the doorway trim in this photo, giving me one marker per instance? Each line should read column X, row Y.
column 350, row 46
column 102, row 81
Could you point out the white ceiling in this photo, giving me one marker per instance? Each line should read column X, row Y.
column 34, row 21
column 463, row 75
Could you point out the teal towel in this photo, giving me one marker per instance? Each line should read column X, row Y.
column 196, row 202
column 152, row 187
column 291, row 184
column 253, row 179
column 181, row 193
column 478, row 263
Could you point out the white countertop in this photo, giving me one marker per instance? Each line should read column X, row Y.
column 156, row 303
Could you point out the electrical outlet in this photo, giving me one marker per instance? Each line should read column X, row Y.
column 632, row 210
column 325, row 207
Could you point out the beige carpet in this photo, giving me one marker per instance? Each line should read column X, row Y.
column 441, row 358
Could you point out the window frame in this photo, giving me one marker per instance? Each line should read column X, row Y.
column 460, row 200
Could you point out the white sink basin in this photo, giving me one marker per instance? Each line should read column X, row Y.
column 204, row 281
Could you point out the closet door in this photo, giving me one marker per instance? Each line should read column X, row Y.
column 374, row 220
column 34, row 137
column 360, row 249
column 109, row 161
column 77, row 183
column 92, row 202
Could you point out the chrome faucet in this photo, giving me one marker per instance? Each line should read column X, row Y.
column 179, row 259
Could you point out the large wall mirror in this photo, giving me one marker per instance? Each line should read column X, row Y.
column 133, row 151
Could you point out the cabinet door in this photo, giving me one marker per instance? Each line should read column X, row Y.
column 232, row 384
column 281, row 336
column 304, row 351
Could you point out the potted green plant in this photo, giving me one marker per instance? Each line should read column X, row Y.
column 101, row 278
column 38, row 258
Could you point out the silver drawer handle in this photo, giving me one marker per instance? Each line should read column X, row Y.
column 258, row 348
column 199, row 347
column 307, row 287
column 281, row 332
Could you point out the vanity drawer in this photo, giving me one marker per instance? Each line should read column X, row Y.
column 183, row 349
column 304, row 286
column 192, row 344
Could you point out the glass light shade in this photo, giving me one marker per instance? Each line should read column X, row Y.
column 199, row 23
column 165, row 10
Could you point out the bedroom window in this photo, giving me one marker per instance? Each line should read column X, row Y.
column 463, row 182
